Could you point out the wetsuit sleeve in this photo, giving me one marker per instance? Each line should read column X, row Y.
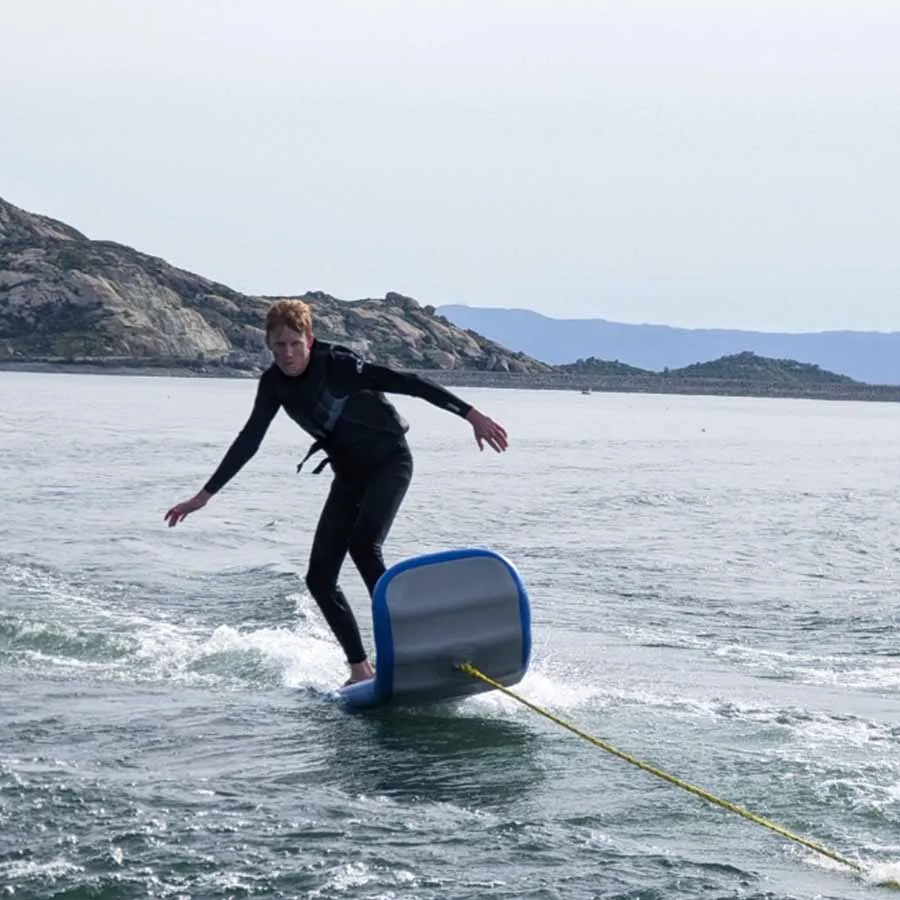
column 358, row 375
column 248, row 440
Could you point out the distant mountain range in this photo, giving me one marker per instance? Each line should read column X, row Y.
column 867, row 356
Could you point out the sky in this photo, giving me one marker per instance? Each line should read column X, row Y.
column 730, row 165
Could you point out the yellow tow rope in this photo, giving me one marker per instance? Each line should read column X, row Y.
column 469, row 669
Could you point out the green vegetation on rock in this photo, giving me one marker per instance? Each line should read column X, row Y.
column 748, row 366
column 594, row 366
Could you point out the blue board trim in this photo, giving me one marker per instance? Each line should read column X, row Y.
column 380, row 690
column 384, row 639
column 362, row 693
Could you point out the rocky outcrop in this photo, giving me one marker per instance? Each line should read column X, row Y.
column 751, row 368
column 64, row 297
column 398, row 331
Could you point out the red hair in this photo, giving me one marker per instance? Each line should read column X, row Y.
column 294, row 314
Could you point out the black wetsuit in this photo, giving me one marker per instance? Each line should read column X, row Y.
column 338, row 400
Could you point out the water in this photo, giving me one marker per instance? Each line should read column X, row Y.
column 713, row 586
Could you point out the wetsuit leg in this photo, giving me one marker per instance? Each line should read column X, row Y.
column 357, row 517
column 330, row 545
column 378, row 506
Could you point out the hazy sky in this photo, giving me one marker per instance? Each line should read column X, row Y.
column 731, row 164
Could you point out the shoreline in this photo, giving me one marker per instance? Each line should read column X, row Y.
column 559, row 381
column 659, row 384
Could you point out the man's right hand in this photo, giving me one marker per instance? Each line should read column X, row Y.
column 186, row 507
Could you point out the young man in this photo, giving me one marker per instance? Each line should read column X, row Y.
column 336, row 397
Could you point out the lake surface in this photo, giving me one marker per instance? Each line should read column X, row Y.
column 714, row 590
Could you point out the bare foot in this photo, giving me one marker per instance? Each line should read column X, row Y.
column 360, row 671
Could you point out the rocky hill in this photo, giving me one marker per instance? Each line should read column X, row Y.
column 749, row 367
column 594, row 366
column 67, row 298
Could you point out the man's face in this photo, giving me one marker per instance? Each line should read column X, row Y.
column 290, row 348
